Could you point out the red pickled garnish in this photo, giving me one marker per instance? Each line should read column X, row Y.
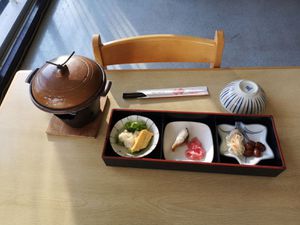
column 195, row 150
column 195, row 155
column 194, row 142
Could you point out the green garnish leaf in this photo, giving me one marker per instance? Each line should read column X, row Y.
column 133, row 126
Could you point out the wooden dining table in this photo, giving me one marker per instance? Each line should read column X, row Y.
column 48, row 179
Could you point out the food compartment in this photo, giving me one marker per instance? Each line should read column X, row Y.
column 251, row 121
column 196, row 121
column 118, row 115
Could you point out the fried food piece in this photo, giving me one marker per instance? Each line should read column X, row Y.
column 180, row 138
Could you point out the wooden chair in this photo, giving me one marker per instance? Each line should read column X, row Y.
column 160, row 48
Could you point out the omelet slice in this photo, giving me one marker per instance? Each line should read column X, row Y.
column 141, row 141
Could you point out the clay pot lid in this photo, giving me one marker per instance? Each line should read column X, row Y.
column 67, row 82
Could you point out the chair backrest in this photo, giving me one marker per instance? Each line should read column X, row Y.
column 159, row 48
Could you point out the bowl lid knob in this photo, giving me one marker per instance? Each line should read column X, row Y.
column 248, row 87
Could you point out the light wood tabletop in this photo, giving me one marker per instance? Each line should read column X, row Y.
column 63, row 180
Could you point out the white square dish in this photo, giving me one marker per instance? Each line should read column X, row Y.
column 195, row 129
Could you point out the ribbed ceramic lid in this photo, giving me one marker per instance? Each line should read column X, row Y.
column 68, row 85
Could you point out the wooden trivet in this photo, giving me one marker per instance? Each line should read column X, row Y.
column 59, row 128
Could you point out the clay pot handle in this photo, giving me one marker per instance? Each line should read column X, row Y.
column 31, row 75
column 63, row 65
column 107, row 88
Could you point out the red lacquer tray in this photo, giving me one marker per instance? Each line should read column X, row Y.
column 219, row 164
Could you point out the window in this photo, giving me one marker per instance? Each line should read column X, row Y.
column 10, row 21
column 19, row 20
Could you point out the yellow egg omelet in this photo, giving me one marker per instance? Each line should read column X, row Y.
column 142, row 140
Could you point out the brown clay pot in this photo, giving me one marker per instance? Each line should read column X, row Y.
column 70, row 88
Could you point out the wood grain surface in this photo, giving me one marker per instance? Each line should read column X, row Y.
column 63, row 180
column 160, row 48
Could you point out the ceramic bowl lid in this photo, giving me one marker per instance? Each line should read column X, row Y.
column 243, row 97
column 67, row 82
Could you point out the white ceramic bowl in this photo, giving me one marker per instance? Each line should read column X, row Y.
column 243, row 97
column 119, row 127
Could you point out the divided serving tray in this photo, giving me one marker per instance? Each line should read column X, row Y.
column 219, row 162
